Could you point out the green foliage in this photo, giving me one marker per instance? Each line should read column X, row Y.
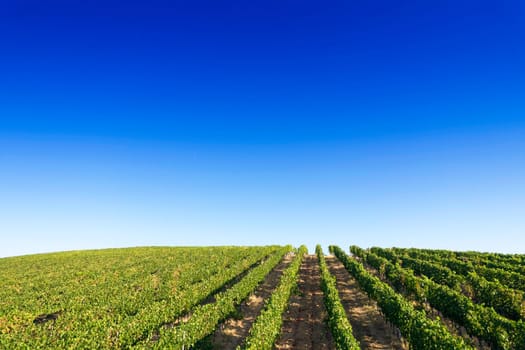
column 205, row 318
column 110, row 298
column 420, row 331
column 136, row 298
column 267, row 326
column 337, row 320
column 479, row 320
column 512, row 276
column 506, row 301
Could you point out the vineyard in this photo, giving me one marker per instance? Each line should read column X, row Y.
column 271, row 297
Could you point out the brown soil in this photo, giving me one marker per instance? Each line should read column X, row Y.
column 232, row 332
column 368, row 325
column 304, row 325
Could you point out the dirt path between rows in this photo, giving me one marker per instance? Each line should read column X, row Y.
column 234, row 331
column 369, row 326
column 304, row 326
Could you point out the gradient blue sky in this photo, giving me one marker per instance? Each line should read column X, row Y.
column 126, row 123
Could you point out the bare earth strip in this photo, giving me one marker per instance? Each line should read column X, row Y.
column 233, row 331
column 369, row 326
column 304, row 326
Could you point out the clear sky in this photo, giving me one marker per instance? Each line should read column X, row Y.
column 388, row 123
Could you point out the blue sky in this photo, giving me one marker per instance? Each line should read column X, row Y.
column 203, row 123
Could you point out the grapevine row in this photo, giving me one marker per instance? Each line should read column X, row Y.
column 337, row 320
column 150, row 318
column 511, row 279
column 267, row 326
column 204, row 318
column 420, row 331
column 479, row 321
column 109, row 298
column 506, row 301
column 515, row 262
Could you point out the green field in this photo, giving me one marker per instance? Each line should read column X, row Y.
column 182, row 297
